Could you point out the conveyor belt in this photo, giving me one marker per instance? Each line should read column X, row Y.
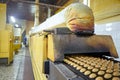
column 94, row 68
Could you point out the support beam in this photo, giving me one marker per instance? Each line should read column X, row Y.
column 36, row 23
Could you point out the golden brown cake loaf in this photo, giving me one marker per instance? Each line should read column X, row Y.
column 79, row 17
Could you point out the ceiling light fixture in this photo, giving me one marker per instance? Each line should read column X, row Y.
column 12, row 19
column 16, row 25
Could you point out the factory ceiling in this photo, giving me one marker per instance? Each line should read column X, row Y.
column 25, row 9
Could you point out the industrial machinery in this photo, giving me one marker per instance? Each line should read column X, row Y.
column 67, row 56
column 17, row 39
column 6, row 46
column 59, row 54
column 17, row 43
column 6, row 37
column 81, row 57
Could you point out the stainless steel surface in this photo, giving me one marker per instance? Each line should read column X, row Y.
column 61, row 72
column 72, row 44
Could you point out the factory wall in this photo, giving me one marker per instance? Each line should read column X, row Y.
column 107, row 19
column 110, row 28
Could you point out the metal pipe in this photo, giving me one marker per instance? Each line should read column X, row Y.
column 36, row 22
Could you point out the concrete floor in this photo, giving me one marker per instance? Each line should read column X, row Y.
column 16, row 69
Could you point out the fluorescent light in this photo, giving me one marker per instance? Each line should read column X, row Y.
column 16, row 25
column 12, row 19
